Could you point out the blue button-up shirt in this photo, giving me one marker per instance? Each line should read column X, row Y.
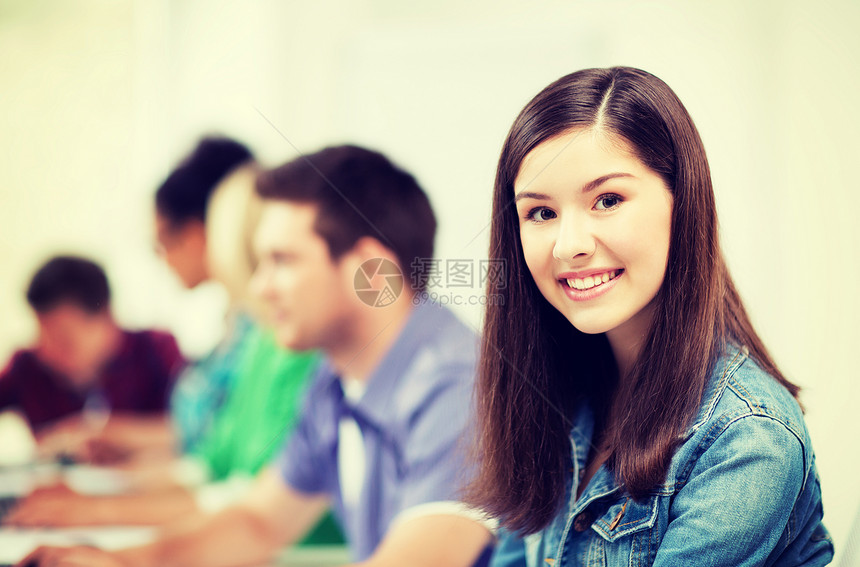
column 741, row 490
column 413, row 417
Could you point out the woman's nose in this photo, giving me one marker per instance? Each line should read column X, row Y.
column 574, row 238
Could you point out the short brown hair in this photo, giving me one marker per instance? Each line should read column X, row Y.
column 69, row 280
column 358, row 192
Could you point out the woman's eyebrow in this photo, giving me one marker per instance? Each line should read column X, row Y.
column 592, row 185
column 531, row 195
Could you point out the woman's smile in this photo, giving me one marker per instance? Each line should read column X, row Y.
column 585, row 288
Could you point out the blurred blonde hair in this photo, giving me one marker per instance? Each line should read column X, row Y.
column 231, row 217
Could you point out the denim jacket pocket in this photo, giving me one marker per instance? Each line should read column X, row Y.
column 626, row 516
column 630, row 531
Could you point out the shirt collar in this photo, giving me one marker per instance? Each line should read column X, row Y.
column 423, row 322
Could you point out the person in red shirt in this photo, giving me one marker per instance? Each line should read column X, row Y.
column 83, row 363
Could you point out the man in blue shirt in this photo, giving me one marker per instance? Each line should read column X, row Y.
column 384, row 435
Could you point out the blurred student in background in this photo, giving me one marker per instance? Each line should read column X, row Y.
column 181, row 204
column 232, row 410
column 181, row 209
column 83, row 364
column 382, row 435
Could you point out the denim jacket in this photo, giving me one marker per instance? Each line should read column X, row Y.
column 741, row 490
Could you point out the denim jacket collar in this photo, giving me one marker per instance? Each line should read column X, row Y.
column 603, row 482
column 732, row 358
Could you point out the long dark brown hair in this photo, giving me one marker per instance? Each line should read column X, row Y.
column 535, row 367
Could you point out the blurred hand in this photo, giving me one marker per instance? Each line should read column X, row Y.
column 102, row 450
column 56, row 506
column 65, row 437
column 71, row 557
column 75, row 437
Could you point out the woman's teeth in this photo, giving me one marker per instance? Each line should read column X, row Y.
column 591, row 281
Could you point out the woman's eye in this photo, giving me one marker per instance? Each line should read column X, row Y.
column 540, row 214
column 607, row 202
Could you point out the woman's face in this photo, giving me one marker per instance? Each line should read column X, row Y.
column 183, row 247
column 595, row 225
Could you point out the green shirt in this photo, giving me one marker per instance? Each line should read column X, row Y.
column 261, row 410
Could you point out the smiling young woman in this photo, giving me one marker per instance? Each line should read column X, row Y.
column 629, row 413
